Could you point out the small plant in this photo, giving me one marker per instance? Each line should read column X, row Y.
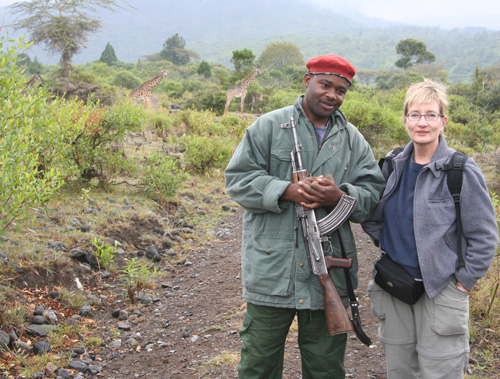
column 85, row 197
column 93, row 342
column 224, row 359
column 105, row 253
column 139, row 276
column 12, row 316
column 213, row 327
column 73, row 300
column 33, row 364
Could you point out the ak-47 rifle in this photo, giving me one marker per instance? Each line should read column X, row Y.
column 338, row 321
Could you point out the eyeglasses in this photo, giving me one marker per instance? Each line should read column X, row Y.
column 431, row 116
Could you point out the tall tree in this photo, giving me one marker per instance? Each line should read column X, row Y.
column 413, row 52
column 280, row 55
column 108, row 56
column 63, row 26
column 204, row 69
column 174, row 50
column 242, row 60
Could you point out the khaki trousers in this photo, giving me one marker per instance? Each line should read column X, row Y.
column 427, row 340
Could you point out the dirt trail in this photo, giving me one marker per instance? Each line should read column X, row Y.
column 191, row 332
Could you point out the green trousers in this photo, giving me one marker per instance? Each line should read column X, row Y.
column 263, row 337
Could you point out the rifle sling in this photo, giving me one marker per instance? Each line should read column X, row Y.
column 356, row 318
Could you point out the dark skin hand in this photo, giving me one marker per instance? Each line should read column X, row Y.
column 314, row 192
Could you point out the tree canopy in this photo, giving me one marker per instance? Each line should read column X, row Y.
column 174, row 50
column 281, row 54
column 242, row 60
column 413, row 52
column 108, row 56
column 63, row 26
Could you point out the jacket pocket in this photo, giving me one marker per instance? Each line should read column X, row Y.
column 281, row 164
column 441, row 212
column 267, row 267
column 451, row 311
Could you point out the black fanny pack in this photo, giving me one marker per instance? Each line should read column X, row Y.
column 397, row 281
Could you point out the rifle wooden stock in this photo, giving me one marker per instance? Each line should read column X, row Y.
column 337, row 319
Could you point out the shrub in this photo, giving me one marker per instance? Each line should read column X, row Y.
column 127, row 80
column 25, row 122
column 163, row 177
column 95, row 136
column 203, row 153
column 235, row 126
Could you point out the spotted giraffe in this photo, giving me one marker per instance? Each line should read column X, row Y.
column 240, row 90
column 143, row 92
column 32, row 81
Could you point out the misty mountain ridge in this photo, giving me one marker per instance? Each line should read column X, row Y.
column 215, row 28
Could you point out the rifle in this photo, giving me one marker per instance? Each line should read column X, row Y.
column 337, row 319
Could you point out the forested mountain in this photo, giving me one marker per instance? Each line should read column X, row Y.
column 214, row 28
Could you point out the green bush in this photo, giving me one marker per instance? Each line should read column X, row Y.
column 95, row 137
column 25, row 124
column 235, row 126
column 203, row 153
column 208, row 100
column 127, row 80
column 163, row 176
column 281, row 99
column 162, row 123
column 470, row 126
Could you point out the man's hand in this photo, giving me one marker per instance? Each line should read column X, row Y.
column 314, row 192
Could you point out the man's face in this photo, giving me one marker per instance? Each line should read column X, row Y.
column 324, row 95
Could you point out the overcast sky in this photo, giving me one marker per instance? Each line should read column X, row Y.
column 443, row 13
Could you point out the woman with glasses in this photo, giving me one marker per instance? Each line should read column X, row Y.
column 415, row 225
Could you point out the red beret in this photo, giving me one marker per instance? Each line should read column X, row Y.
column 331, row 64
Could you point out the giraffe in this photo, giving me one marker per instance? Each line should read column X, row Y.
column 32, row 81
column 143, row 92
column 240, row 90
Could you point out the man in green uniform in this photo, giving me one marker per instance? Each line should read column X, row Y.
column 277, row 281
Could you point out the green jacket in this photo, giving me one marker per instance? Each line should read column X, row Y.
column 275, row 267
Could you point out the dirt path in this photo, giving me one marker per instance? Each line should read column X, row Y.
column 190, row 331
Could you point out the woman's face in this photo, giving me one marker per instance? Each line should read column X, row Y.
column 421, row 130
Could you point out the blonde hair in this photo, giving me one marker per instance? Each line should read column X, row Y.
column 426, row 92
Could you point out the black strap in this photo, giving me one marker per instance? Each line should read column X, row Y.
column 455, row 177
column 390, row 158
column 356, row 318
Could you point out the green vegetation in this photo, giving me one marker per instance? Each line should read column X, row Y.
column 108, row 56
column 105, row 253
column 62, row 156
column 139, row 275
column 27, row 125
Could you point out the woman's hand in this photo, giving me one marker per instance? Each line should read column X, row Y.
column 463, row 288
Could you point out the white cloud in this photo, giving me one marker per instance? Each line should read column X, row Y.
column 7, row 2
